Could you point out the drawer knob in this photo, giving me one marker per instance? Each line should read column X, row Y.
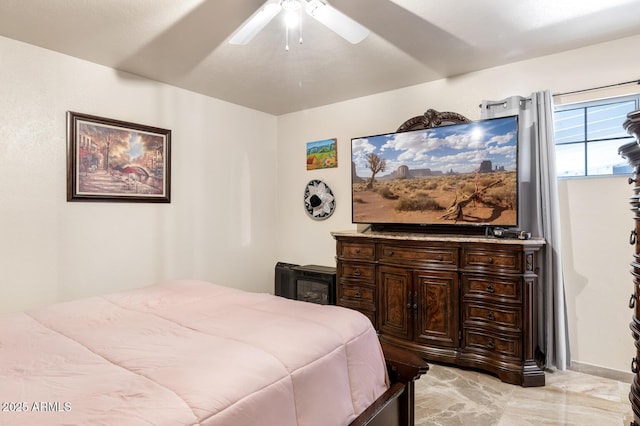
column 633, row 237
column 491, row 288
column 632, row 301
column 357, row 295
column 491, row 316
column 357, row 250
column 390, row 252
column 356, row 272
column 634, row 365
column 632, row 180
column 490, row 260
column 440, row 258
column 491, row 344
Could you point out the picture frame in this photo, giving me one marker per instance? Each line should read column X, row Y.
column 117, row 161
column 322, row 154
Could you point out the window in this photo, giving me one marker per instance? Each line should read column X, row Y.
column 588, row 135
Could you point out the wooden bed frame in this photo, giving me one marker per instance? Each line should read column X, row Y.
column 396, row 407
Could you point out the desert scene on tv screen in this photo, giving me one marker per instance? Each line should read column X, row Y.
column 460, row 174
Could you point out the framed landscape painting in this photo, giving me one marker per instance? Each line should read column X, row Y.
column 112, row 160
column 322, row 154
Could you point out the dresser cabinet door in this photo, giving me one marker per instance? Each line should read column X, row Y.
column 396, row 302
column 435, row 305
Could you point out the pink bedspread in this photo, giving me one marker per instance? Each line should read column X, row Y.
column 186, row 353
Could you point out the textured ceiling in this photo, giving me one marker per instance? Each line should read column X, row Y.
column 184, row 43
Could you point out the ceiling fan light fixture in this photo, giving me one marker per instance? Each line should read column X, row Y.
column 291, row 19
column 291, row 5
column 320, row 10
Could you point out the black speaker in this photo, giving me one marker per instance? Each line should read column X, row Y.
column 286, row 280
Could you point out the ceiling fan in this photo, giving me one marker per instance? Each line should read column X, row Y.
column 323, row 12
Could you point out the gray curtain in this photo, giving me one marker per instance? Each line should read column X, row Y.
column 539, row 212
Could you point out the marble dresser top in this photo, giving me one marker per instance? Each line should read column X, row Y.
column 452, row 238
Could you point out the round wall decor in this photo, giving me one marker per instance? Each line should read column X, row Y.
column 319, row 202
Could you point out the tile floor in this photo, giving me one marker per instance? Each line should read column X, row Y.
column 449, row 396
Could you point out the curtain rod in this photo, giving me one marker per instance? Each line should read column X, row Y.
column 489, row 105
column 503, row 103
column 598, row 88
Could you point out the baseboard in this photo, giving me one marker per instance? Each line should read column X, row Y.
column 607, row 373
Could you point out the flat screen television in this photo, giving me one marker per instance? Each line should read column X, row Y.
column 460, row 175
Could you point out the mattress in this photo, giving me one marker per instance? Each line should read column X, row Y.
column 188, row 353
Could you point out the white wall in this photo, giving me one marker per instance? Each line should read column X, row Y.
column 597, row 222
column 595, row 216
column 218, row 226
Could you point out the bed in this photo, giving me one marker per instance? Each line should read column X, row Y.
column 194, row 353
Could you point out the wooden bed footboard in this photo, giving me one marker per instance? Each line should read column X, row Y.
column 396, row 407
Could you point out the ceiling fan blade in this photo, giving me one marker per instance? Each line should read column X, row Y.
column 337, row 21
column 256, row 23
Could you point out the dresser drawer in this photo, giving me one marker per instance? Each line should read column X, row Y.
column 357, row 293
column 351, row 271
column 360, row 298
column 419, row 256
column 495, row 317
column 481, row 341
column 480, row 287
column 356, row 250
column 494, row 260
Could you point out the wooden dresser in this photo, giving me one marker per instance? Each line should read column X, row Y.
column 468, row 301
column 631, row 152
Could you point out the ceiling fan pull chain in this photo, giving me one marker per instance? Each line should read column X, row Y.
column 300, row 25
column 286, row 35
